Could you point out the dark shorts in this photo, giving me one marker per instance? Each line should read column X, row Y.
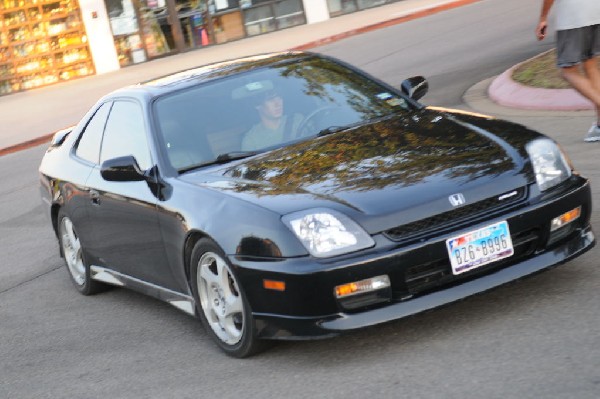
column 574, row 46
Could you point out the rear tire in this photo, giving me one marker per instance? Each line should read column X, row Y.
column 73, row 253
column 221, row 303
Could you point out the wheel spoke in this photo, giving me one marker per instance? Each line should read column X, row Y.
column 76, row 245
column 217, row 326
column 234, row 305
column 232, row 329
column 70, row 232
column 208, row 276
column 214, row 319
column 223, row 275
column 221, row 267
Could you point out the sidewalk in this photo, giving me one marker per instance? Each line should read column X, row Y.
column 29, row 118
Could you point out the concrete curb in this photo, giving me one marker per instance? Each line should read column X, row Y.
column 27, row 144
column 506, row 92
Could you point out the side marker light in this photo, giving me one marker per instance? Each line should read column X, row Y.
column 274, row 285
column 565, row 218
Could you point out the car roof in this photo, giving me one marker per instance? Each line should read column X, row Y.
column 191, row 77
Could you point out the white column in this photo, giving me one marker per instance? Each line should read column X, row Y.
column 315, row 11
column 99, row 35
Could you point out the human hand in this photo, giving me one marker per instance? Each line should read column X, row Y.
column 540, row 31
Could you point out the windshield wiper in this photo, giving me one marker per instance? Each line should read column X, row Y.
column 331, row 129
column 335, row 129
column 234, row 155
column 220, row 159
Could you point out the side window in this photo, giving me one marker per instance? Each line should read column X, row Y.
column 125, row 134
column 88, row 147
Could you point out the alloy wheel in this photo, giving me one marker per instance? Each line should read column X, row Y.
column 71, row 247
column 220, row 298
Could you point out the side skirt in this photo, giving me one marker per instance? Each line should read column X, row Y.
column 180, row 301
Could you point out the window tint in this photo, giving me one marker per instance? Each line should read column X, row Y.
column 125, row 134
column 88, row 147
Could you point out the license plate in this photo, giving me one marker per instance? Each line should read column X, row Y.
column 479, row 247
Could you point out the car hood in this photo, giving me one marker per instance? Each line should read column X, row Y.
column 401, row 169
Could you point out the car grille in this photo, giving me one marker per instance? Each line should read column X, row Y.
column 433, row 274
column 455, row 218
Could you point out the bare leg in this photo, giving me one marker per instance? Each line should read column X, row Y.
column 588, row 85
column 590, row 68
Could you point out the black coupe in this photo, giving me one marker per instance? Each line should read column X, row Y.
column 292, row 196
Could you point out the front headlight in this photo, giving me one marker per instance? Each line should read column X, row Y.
column 325, row 232
column 550, row 165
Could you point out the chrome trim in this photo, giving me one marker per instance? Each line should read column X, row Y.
column 103, row 275
column 507, row 195
column 181, row 301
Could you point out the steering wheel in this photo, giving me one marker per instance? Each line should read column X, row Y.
column 310, row 119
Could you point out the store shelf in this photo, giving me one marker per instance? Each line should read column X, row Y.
column 28, row 5
column 22, row 42
column 64, row 32
column 55, row 17
column 36, row 61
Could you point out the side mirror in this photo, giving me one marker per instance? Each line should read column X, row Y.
column 415, row 87
column 121, row 169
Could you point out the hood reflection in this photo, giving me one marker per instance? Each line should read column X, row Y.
column 401, row 152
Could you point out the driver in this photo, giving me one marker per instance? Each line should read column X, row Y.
column 275, row 126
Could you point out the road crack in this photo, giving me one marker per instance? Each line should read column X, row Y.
column 29, row 280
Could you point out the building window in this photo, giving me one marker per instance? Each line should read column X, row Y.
column 267, row 16
column 340, row 7
column 259, row 19
column 125, row 29
column 289, row 13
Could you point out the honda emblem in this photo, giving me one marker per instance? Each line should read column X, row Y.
column 457, row 199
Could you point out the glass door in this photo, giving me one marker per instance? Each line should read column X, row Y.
column 155, row 28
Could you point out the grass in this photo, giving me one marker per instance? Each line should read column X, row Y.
column 541, row 71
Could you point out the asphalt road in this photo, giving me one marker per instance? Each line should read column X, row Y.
column 538, row 338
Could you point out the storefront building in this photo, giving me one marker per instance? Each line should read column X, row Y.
column 41, row 42
column 49, row 41
column 147, row 29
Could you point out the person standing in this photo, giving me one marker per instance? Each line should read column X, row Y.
column 577, row 48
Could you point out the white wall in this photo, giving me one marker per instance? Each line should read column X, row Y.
column 99, row 35
column 316, row 11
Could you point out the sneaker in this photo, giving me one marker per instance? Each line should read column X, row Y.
column 593, row 134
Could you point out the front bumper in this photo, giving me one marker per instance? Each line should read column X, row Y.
column 276, row 327
column 308, row 309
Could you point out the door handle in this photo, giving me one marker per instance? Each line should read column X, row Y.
column 95, row 197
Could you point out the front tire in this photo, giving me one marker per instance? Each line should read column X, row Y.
column 221, row 303
column 73, row 254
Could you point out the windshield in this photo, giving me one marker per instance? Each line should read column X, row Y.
column 267, row 108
